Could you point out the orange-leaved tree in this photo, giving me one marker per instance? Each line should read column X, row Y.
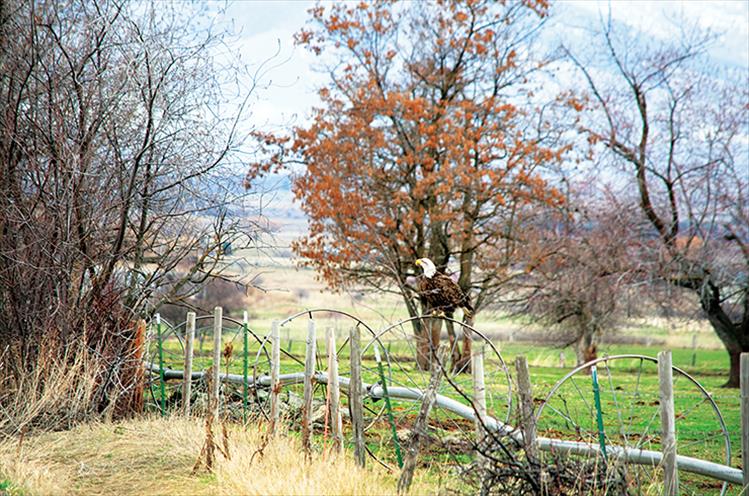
column 427, row 143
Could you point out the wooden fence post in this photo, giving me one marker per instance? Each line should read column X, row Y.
column 162, row 380
column 334, row 412
column 245, row 364
column 668, row 424
column 527, row 419
column 479, row 390
column 218, row 318
column 355, row 396
column 187, row 379
column 419, row 430
column 275, row 370
column 745, row 417
column 309, row 376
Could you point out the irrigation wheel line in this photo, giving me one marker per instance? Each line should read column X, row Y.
column 645, row 457
column 632, row 416
column 374, row 406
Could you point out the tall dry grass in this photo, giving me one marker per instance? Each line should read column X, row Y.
column 60, row 389
column 156, row 456
column 63, row 384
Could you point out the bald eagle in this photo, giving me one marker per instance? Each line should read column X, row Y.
column 439, row 292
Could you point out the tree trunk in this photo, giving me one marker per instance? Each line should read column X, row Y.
column 422, row 335
column 464, row 364
column 454, row 346
column 422, row 350
column 732, row 335
column 735, row 369
column 586, row 348
column 427, row 339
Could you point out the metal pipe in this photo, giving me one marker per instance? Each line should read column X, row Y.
column 631, row 455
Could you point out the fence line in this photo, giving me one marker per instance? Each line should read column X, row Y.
column 668, row 458
column 632, row 455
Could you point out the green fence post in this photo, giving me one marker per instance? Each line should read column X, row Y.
column 388, row 407
column 599, row 413
column 162, row 382
column 245, row 351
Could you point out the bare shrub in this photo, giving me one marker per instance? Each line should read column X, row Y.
column 113, row 165
column 504, row 467
column 216, row 293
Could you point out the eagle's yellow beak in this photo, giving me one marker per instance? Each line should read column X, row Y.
column 418, row 262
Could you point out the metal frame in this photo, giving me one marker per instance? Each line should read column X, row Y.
column 638, row 456
column 473, row 330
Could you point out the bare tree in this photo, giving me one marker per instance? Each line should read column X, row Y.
column 676, row 129
column 578, row 268
column 119, row 135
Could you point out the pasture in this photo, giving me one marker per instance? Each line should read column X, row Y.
column 629, row 394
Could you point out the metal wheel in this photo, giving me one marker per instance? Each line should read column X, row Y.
column 173, row 352
column 630, row 413
column 293, row 335
column 451, row 436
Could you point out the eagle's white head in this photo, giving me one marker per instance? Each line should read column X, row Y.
column 428, row 266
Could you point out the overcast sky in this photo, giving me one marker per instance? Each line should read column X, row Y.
column 288, row 90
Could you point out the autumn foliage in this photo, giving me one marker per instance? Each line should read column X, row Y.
column 427, row 143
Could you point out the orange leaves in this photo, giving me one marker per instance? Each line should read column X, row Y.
column 303, row 37
column 540, row 7
column 411, row 140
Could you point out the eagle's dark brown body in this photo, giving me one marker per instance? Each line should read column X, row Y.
column 440, row 293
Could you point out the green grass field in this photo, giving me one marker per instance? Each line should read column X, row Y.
column 629, row 394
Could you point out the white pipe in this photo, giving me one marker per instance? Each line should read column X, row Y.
column 630, row 455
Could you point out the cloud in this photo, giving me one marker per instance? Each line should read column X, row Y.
column 664, row 20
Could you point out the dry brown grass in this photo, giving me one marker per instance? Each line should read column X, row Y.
column 58, row 392
column 156, row 456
